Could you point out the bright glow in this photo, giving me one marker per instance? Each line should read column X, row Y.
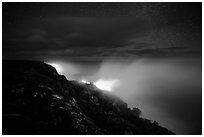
column 57, row 67
column 84, row 81
column 107, row 85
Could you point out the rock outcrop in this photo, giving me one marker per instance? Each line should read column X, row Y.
column 37, row 100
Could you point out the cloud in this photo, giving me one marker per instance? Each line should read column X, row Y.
column 166, row 90
column 68, row 32
column 91, row 37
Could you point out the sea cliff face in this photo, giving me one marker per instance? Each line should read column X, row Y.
column 37, row 100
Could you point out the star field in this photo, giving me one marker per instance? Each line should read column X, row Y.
column 33, row 28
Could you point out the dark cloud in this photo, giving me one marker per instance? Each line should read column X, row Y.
column 32, row 27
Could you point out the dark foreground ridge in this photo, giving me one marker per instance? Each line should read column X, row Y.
column 37, row 100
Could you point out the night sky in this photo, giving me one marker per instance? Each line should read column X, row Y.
column 94, row 31
column 153, row 49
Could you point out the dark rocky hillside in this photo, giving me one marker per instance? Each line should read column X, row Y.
column 37, row 100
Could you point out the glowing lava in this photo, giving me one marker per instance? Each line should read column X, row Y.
column 57, row 67
column 84, row 81
column 107, row 85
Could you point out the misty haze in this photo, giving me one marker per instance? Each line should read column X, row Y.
column 161, row 88
column 102, row 68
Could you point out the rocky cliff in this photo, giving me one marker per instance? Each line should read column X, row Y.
column 37, row 100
